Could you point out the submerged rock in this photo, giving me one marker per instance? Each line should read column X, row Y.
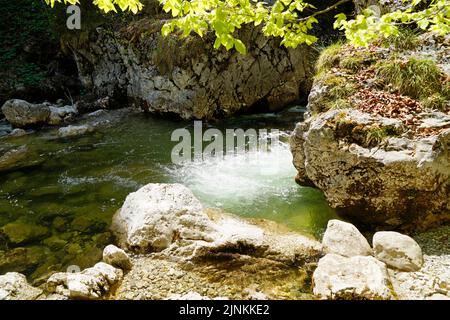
column 397, row 250
column 357, row 277
column 73, row 131
column 21, row 113
column 22, row 231
column 20, row 157
column 17, row 133
column 23, row 259
column 345, row 239
column 14, row 286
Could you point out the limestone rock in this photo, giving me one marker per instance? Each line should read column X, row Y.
column 14, row 286
column 157, row 215
column 17, row 133
column 91, row 283
column 401, row 183
column 433, row 279
column 397, row 250
column 188, row 77
column 358, row 277
column 262, row 239
column 116, row 257
column 59, row 115
column 73, row 131
column 21, row 113
column 345, row 239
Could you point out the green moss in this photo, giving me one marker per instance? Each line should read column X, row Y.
column 21, row 231
column 88, row 223
column 342, row 91
column 417, row 78
column 375, row 135
column 54, row 242
column 340, row 117
column 331, row 79
column 74, row 249
column 356, row 60
column 339, row 104
column 339, row 89
column 175, row 50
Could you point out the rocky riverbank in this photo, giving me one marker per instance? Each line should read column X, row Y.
column 376, row 141
column 176, row 249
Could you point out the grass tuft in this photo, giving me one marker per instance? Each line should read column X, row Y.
column 406, row 39
column 329, row 57
column 416, row 78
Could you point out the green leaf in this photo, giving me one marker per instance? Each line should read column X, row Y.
column 240, row 46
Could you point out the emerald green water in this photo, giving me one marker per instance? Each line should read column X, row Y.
column 55, row 209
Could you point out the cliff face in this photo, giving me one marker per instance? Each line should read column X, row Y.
column 378, row 134
column 188, row 77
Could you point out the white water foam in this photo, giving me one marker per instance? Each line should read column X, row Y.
column 240, row 180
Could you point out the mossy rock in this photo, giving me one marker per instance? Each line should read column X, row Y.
column 103, row 239
column 22, row 259
column 21, row 231
column 74, row 249
column 60, row 224
column 54, row 242
column 88, row 224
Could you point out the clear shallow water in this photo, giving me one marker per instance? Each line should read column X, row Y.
column 60, row 206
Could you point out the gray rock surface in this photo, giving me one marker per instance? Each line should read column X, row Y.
column 400, row 182
column 116, row 257
column 74, row 130
column 14, row 286
column 397, row 250
column 358, row 277
column 59, row 115
column 21, row 113
column 91, row 283
column 345, row 239
column 188, row 77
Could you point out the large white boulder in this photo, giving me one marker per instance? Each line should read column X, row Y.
column 14, row 286
column 357, row 277
column 397, row 250
column 344, row 239
column 159, row 214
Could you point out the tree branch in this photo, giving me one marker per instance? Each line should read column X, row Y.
column 334, row 6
